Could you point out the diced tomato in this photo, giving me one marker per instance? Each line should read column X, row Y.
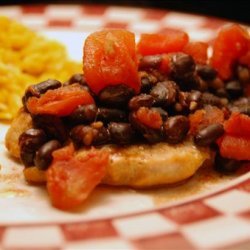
column 60, row 102
column 110, row 59
column 234, row 147
column 230, row 44
column 195, row 120
column 198, row 50
column 149, row 117
column 71, row 179
column 245, row 59
column 171, row 41
column 204, row 117
column 238, row 125
column 165, row 64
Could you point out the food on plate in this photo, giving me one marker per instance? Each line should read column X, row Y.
column 25, row 58
column 141, row 115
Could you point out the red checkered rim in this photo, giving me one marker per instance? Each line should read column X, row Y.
column 93, row 17
column 181, row 217
column 110, row 230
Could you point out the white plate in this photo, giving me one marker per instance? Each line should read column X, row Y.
column 197, row 214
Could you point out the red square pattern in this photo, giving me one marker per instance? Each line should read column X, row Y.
column 33, row 9
column 213, row 23
column 245, row 186
column 94, row 9
column 115, row 25
column 190, row 212
column 85, row 230
column 168, row 241
column 154, row 14
column 245, row 215
column 59, row 23
column 2, row 229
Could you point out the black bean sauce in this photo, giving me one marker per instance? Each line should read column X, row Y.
column 173, row 95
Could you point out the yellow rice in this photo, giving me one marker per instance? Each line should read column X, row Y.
column 27, row 58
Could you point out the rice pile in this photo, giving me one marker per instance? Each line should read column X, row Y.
column 27, row 58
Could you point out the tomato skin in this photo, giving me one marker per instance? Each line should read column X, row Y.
column 230, row 45
column 234, row 147
column 149, row 117
column 198, row 50
column 71, row 179
column 60, row 102
column 245, row 59
column 165, row 64
column 109, row 59
column 238, row 125
column 171, row 41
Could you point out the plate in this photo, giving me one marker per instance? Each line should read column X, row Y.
column 209, row 211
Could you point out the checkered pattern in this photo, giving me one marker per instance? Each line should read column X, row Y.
column 217, row 221
column 91, row 18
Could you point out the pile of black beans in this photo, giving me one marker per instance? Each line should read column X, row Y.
column 112, row 119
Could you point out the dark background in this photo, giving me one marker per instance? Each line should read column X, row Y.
column 237, row 10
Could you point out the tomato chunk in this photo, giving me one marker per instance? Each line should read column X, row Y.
column 110, row 59
column 204, row 117
column 230, row 44
column 171, row 41
column 149, row 117
column 60, row 102
column 238, row 125
column 71, row 179
column 198, row 50
column 234, row 147
column 245, row 59
column 165, row 64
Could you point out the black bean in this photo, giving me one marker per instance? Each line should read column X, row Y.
column 121, row 133
column 194, row 100
column 208, row 135
column 243, row 74
column 150, row 134
column 183, row 99
column 242, row 101
column 210, row 99
column 194, row 96
column 225, row 165
column 201, row 84
column 109, row 114
column 29, row 142
column 164, row 93
column 234, row 89
column 221, row 92
column 87, row 135
column 243, row 108
column 117, row 95
column 176, row 128
column 83, row 114
column 142, row 100
column 206, row 72
column 182, row 66
column 40, row 88
column 151, row 61
column 102, row 137
column 77, row 78
column 43, row 156
column 146, row 84
column 82, row 135
column 52, row 125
